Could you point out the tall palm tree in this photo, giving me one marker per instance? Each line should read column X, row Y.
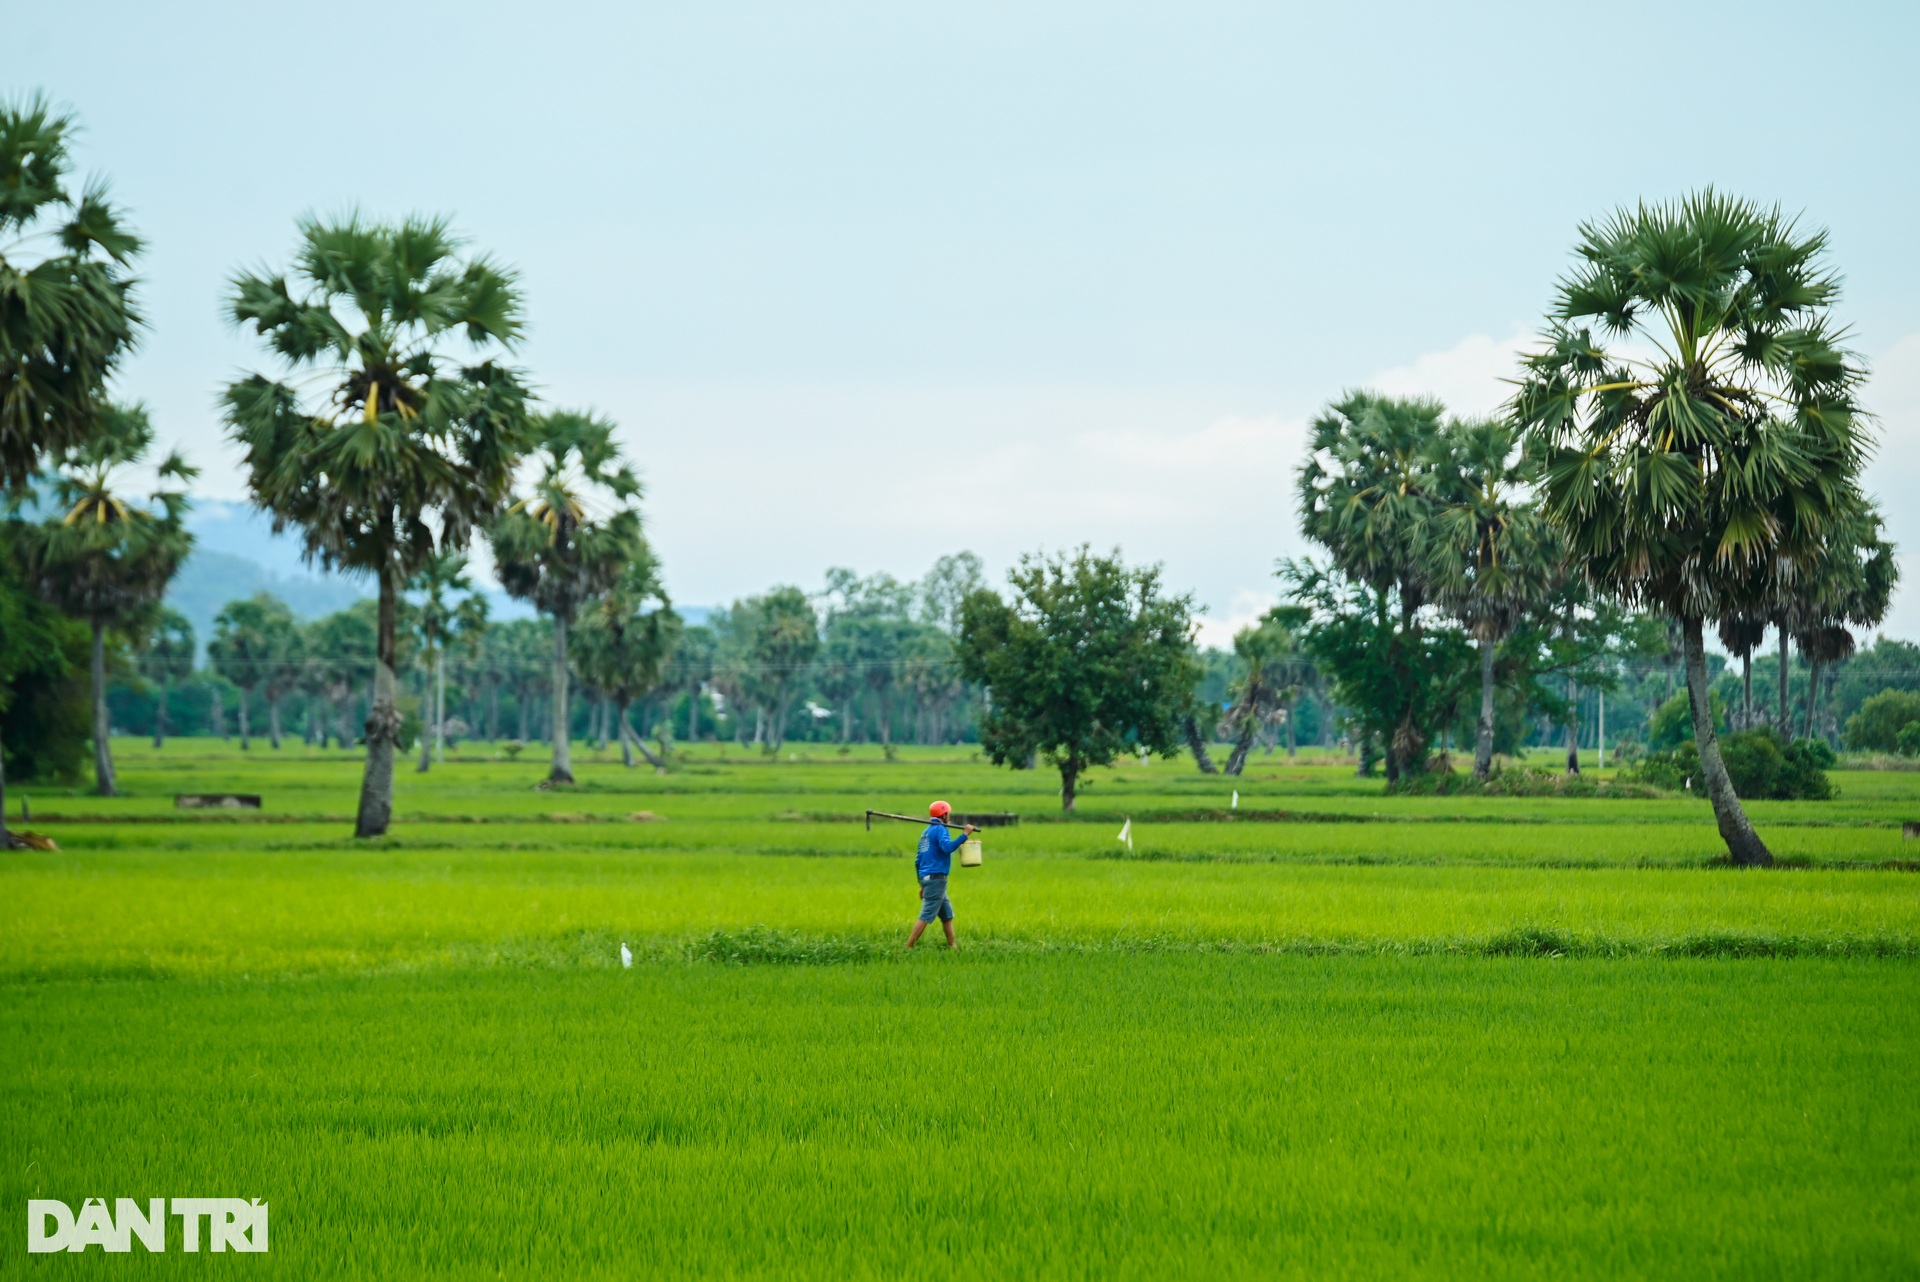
column 251, row 638
column 1493, row 551
column 1852, row 586
column 1371, row 492
column 66, row 300
column 1741, row 633
column 1719, row 436
column 569, row 539
column 402, row 451
column 167, row 658
column 626, row 639
column 66, row 306
column 439, row 621
column 1273, row 667
column 108, row 559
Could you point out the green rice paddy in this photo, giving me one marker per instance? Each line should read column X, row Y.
column 1324, row 1033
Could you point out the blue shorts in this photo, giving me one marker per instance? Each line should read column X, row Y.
column 933, row 899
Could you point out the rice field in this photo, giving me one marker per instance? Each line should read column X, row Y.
column 1322, row 1033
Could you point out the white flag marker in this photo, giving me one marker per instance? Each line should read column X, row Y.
column 1126, row 833
column 626, row 956
column 1236, row 800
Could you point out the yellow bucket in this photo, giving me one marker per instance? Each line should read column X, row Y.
column 971, row 854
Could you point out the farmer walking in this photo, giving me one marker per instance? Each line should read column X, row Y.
column 931, row 863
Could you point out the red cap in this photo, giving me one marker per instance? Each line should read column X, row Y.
column 939, row 810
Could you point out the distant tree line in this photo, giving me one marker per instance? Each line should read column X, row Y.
column 1681, row 458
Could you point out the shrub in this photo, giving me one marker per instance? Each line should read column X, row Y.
column 1882, row 719
column 1761, row 767
column 1909, row 740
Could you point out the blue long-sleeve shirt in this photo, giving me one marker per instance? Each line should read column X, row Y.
column 935, row 856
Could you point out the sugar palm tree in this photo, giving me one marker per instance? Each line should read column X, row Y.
column 1370, row 492
column 569, row 539
column 167, row 658
column 439, row 622
column 254, row 645
column 66, row 300
column 1493, row 554
column 1852, row 587
column 1741, row 633
column 1273, row 665
column 66, row 306
column 108, row 559
column 626, row 639
column 400, row 451
column 1698, row 422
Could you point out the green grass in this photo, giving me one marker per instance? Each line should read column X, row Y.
column 1085, row 1116
column 1431, row 1037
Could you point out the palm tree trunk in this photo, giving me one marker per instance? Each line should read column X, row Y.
column 626, row 735
column 1571, row 735
column 439, row 706
column 1813, row 693
column 1743, row 843
column 104, row 782
column 1483, row 742
column 426, row 730
column 1242, row 745
column 1746, row 690
column 383, row 724
column 1198, row 743
column 1293, row 740
column 1069, row 777
column 562, row 771
column 246, row 722
column 160, row 714
column 217, row 713
column 273, row 719
column 1785, row 664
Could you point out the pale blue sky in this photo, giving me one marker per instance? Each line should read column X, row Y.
column 1093, row 263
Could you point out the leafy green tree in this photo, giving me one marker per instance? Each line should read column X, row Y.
column 340, row 651
column 401, row 438
column 43, row 689
column 67, row 317
column 945, row 589
column 1720, row 437
column 1877, row 727
column 927, row 671
column 167, row 658
column 569, row 540
column 108, row 559
column 626, row 639
column 782, row 639
column 256, row 645
column 1399, row 684
column 1371, row 493
column 1494, row 554
column 440, row 621
column 693, row 667
column 1089, row 659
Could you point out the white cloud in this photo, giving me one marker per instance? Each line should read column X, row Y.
column 1216, row 632
column 1893, row 393
column 1469, row 378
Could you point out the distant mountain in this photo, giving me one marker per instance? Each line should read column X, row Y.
column 210, row 579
